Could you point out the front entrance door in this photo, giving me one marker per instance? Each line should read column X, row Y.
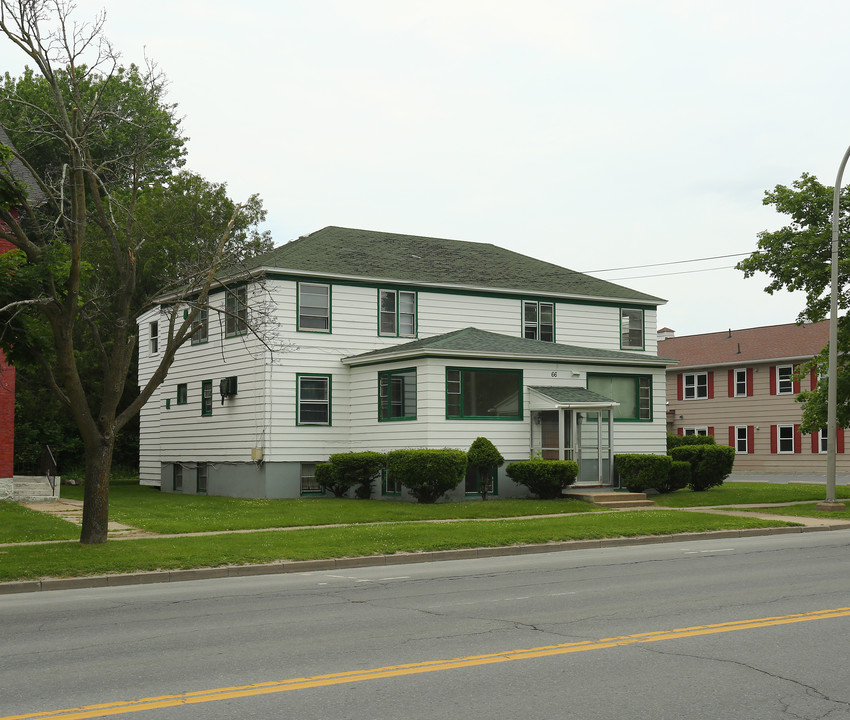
column 580, row 434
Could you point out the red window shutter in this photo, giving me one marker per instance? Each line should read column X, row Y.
column 751, row 439
column 839, row 440
column 680, row 431
column 731, row 436
column 813, row 379
column 731, row 383
column 680, row 387
column 798, row 440
column 711, row 431
column 710, row 384
column 815, row 442
column 773, row 438
column 796, row 382
column 773, row 380
column 749, row 382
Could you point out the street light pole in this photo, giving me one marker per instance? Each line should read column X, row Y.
column 832, row 376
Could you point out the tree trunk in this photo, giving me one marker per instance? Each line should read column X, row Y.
column 96, row 492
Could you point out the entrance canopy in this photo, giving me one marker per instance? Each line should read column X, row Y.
column 574, row 423
column 556, row 397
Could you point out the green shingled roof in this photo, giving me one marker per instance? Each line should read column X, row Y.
column 409, row 258
column 568, row 394
column 474, row 342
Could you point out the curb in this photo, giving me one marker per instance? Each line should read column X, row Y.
column 299, row 566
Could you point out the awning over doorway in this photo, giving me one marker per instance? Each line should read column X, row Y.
column 561, row 396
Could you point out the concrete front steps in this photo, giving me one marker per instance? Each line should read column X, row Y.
column 610, row 498
column 33, row 488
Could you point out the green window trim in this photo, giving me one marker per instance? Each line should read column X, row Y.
column 641, row 399
column 182, row 394
column 315, row 317
column 538, row 320
column 389, row 487
column 397, row 313
column 397, row 397
column 236, row 311
column 202, row 321
column 312, row 394
column 632, row 328
column 206, row 398
column 473, row 482
column 464, row 396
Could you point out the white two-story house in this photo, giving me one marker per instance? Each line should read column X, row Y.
column 380, row 341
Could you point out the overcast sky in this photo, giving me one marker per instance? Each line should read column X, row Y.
column 594, row 135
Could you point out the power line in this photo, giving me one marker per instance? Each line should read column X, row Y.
column 681, row 272
column 674, row 262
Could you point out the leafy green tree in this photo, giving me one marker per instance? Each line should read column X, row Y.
column 92, row 251
column 797, row 257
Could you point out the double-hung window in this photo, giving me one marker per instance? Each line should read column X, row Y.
column 633, row 392
column 784, row 379
column 397, row 394
column 153, row 334
column 696, row 386
column 483, row 394
column 236, row 311
column 742, row 444
column 538, row 320
column 182, row 393
column 314, row 307
column 822, row 440
column 206, row 397
column 785, row 438
column 201, row 327
column 314, row 399
column 741, row 382
column 631, row 329
column 397, row 313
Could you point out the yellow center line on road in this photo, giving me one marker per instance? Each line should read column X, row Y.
column 304, row 683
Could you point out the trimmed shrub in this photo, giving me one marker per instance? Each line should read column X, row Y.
column 483, row 458
column 674, row 440
column 357, row 469
column 641, row 472
column 710, row 464
column 326, row 478
column 545, row 478
column 427, row 474
column 679, row 477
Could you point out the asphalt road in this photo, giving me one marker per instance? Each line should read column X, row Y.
column 747, row 628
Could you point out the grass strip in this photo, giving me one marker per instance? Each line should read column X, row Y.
column 168, row 513
column 20, row 524
column 74, row 560
column 746, row 493
column 801, row 511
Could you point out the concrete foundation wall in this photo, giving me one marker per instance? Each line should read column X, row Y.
column 283, row 480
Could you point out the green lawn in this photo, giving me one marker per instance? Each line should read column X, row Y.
column 72, row 559
column 167, row 513
column 805, row 511
column 20, row 524
column 746, row 493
